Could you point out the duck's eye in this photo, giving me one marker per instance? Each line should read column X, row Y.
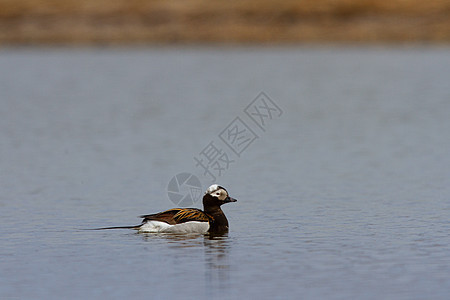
column 217, row 194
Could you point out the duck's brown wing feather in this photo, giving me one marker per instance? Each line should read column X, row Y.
column 178, row 215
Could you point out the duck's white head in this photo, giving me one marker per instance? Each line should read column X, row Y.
column 220, row 193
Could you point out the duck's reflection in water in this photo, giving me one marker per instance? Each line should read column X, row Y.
column 216, row 248
column 217, row 264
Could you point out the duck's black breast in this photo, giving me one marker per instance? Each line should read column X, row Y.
column 219, row 222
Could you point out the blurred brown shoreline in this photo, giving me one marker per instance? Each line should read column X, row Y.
column 234, row 22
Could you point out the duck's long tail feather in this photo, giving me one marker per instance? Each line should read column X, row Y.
column 116, row 227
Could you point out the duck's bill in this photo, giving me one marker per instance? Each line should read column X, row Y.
column 229, row 199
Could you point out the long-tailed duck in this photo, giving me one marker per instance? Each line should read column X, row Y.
column 189, row 220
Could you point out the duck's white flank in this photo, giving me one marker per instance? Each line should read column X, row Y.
column 187, row 227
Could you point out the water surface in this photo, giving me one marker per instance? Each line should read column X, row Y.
column 345, row 195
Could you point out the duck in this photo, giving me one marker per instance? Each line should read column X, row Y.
column 189, row 220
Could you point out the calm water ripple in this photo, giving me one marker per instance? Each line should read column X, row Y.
column 344, row 196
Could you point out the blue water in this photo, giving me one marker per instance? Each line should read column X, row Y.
column 344, row 194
